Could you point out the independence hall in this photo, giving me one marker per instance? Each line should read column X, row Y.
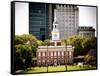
column 55, row 54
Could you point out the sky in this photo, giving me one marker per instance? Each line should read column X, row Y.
column 87, row 16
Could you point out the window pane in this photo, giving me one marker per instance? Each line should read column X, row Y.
column 58, row 53
column 39, row 53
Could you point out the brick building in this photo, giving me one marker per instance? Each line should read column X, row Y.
column 54, row 55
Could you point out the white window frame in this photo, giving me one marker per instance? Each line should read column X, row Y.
column 51, row 53
column 58, row 53
column 39, row 53
column 55, row 54
column 62, row 53
column 43, row 53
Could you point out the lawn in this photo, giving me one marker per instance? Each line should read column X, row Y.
column 54, row 69
column 85, row 67
column 33, row 70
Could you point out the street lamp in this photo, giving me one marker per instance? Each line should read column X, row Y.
column 65, row 52
column 47, row 43
column 47, row 57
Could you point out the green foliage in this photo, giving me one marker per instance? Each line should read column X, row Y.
column 27, row 39
column 82, row 45
column 24, row 50
column 89, row 43
column 24, row 55
column 25, row 46
column 75, row 41
column 18, row 40
column 64, row 42
column 46, row 42
column 89, row 58
column 40, row 42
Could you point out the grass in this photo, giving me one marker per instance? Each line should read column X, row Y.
column 33, row 70
column 85, row 67
column 54, row 69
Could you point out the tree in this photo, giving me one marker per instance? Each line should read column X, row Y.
column 23, row 56
column 40, row 42
column 26, row 46
column 64, row 42
column 89, row 59
column 82, row 45
column 18, row 40
column 29, row 40
column 88, row 44
column 76, row 41
column 46, row 42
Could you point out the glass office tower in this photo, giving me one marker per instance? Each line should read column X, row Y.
column 39, row 20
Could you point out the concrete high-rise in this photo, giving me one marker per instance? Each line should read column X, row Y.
column 68, row 20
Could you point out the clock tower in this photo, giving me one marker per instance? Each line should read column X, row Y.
column 55, row 31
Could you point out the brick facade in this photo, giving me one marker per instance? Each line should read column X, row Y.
column 51, row 55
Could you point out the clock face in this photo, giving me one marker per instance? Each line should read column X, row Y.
column 55, row 36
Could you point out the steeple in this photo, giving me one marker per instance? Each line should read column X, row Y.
column 55, row 23
column 55, row 32
column 55, row 17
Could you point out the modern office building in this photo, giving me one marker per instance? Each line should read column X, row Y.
column 68, row 20
column 40, row 18
column 86, row 31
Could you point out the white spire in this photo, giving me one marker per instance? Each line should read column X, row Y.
column 55, row 23
column 55, row 31
column 55, row 12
